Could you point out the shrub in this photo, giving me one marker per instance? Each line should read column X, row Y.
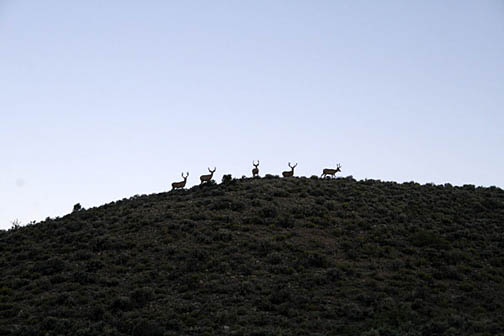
column 269, row 212
column 51, row 266
column 426, row 238
column 280, row 296
column 226, row 179
column 122, row 303
column 314, row 259
column 286, row 221
column 147, row 328
column 141, row 296
column 77, row 207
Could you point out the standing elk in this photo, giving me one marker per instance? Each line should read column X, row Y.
column 176, row 185
column 289, row 173
column 332, row 172
column 206, row 178
column 255, row 171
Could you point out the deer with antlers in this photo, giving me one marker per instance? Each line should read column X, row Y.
column 289, row 173
column 255, row 171
column 176, row 185
column 330, row 171
column 206, row 178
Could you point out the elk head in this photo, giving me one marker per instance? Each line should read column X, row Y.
column 255, row 171
column 289, row 173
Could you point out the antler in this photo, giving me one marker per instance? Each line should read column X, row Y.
column 255, row 164
column 339, row 165
column 294, row 165
column 212, row 171
column 185, row 176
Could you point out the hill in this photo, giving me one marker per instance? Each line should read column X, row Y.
column 270, row 256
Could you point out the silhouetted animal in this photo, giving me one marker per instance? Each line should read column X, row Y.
column 289, row 173
column 206, row 178
column 182, row 184
column 255, row 171
column 330, row 171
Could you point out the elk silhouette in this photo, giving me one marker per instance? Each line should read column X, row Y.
column 330, row 171
column 289, row 173
column 255, row 171
column 176, row 185
column 206, row 178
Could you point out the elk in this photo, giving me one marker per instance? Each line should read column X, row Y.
column 330, row 171
column 206, row 178
column 289, row 173
column 255, row 171
column 176, row 185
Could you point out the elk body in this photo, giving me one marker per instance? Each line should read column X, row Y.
column 176, row 185
column 255, row 171
column 206, row 178
column 289, row 173
column 330, row 171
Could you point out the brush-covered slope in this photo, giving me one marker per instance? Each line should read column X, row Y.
column 269, row 256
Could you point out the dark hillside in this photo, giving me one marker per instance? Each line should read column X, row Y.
column 269, row 256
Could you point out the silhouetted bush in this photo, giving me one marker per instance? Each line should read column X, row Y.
column 142, row 295
column 425, row 238
column 286, row 221
column 269, row 212
column 227, row 179
column 147, row 328
column 50, row 266
column 123, row 303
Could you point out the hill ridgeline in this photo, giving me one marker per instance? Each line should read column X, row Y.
column 263, row 256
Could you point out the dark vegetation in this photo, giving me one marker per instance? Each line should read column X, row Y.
column 267, row 256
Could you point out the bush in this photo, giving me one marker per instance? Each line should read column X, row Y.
column 77, row 207
column 147, row 328
column 51, row 266
column 227, row 179
column 314, row 259
column 426, row 238
column 142, row 295
column 122, row 303
column 269, row 212
column 286, row 222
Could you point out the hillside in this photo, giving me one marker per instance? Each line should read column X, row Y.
column 270, row 256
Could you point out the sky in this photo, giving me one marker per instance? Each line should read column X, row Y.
column 103, row 100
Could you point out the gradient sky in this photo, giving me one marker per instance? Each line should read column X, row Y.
column 101, row 100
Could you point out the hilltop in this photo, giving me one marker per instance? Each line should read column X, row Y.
column 269, row 256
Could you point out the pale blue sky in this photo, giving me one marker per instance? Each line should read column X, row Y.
column 101, row 100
